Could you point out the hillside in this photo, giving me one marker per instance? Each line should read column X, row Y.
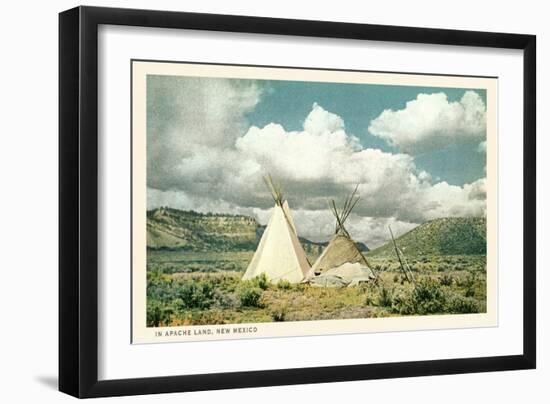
column 447, row 236
column 173, row 229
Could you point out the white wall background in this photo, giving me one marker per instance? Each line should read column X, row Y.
column 28, row 201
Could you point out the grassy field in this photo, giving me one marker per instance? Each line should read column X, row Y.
column 205, row 288
column 186, row 288
column 167, row 261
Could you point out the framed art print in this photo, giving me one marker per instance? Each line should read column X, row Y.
column 269, row 201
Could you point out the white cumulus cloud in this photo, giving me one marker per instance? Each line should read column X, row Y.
column 431, row 122
column 186, row 113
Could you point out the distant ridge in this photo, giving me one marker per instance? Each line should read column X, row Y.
column 446, row 236
column 173, row 229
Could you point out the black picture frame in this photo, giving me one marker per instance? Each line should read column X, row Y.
column 78, row 200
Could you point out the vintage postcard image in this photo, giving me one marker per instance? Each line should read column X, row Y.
column 270, row 202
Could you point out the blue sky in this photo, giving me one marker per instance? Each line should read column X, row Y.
column 288, row 102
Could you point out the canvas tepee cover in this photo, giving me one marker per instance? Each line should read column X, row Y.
column 340, row 250
column 279, row 255
column 344, row 275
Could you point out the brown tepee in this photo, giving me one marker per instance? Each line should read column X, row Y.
column 342, row 252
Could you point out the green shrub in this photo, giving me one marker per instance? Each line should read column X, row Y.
column 157, row 313
column 250, row 297
column 385, row 298
column 226, row 299
column 460, row 304
column 283, row 284
column 369, row 301
column 427, row 297
column 261, row 281
column 469, row 284
column 403, row 304
column 446, row 280
column 196, row 294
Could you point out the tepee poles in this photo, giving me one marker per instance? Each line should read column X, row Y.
column 275, row 189
column 402, row 260
column 341, row 216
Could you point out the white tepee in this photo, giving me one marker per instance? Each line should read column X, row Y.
column 279, row 255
